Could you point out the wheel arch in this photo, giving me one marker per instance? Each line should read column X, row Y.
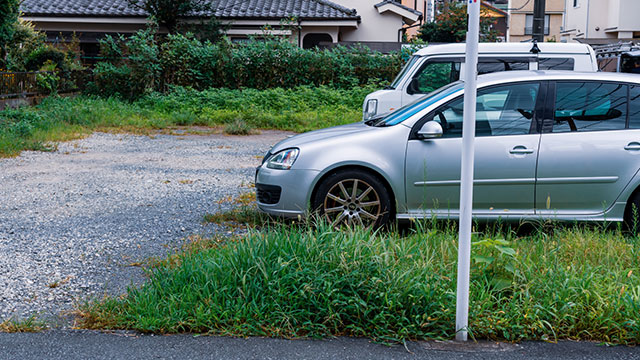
column 371, row 171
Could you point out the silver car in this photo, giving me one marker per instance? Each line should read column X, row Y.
column 561, row 145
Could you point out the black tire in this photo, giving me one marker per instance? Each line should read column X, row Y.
column 632, row 214
column 335, row 201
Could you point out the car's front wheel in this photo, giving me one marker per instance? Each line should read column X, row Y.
column 353, row 198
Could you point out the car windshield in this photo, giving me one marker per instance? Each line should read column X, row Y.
column 422, row 103
column 406, row 68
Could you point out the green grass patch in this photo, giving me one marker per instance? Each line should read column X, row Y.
column 294, row 281
column 236, row 111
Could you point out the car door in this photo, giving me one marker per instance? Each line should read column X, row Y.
column 587, row 154
column 506, row 149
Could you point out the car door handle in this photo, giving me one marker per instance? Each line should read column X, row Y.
column 632, row 146
column 522, row 150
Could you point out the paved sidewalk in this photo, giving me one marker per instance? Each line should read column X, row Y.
column 81, row 344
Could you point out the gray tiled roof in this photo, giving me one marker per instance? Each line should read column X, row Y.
column 252, row 9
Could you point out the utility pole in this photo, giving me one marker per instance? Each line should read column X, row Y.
column 538, row 20
column 466, row 169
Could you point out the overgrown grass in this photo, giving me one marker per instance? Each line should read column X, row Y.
column 239, row 111
column 29, row 325
column 317, row 281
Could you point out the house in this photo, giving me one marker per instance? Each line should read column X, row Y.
column 376, row 23
column 495, row 9
column 602, row 21
column 521, row 20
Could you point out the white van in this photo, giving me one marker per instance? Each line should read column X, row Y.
column 437, row 65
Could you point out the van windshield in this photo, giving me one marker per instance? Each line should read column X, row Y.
column 406, row 68
column 420, row 104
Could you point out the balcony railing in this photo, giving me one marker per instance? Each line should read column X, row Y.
column 529, row 30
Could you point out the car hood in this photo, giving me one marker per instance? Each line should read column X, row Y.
column 317, row 135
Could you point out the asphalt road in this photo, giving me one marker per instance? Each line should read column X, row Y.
column 70, row 344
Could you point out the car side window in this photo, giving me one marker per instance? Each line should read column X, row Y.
column 500, row 110
column 634, row 107
column 590, row 106
column 556, row 64
column 486, row 66
column 434, row 75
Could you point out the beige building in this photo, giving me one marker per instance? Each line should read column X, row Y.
column 601, row 21
column 380, row 20
column 521, row 20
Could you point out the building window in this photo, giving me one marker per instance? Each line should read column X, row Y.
column 528, row 25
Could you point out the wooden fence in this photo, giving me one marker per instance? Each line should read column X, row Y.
column 32, row 83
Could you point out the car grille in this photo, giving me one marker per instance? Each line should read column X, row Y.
column 268, row 194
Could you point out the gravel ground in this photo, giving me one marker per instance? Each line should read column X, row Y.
column 73, row 223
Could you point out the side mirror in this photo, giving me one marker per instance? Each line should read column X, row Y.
column 430, row 130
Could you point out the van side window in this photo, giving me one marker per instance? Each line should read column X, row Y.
column 500, row 110
column 556, row 64
column 434, row 75
column 590, row 106
column 486, row 66
column 634, row 107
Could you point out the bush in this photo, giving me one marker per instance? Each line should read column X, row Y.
column 238, row 127
column 140, row 64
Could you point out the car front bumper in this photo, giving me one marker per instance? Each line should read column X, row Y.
column 292, row 198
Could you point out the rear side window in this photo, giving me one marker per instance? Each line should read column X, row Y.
column 486, row 66
column 556, row 64
column 634, row 107
column 590, row 106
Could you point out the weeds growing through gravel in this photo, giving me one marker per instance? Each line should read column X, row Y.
column 316, row 281
column 242, row 213
column 238, row 127
column 29, row 325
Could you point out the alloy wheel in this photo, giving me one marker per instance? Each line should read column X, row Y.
column 352, row 202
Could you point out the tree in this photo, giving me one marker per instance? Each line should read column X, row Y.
column 8, row 22
column 451, row 26
column 169, row 12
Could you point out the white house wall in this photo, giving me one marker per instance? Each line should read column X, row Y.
column 374, row 26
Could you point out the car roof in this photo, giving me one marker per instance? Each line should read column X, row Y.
column 539, row 75
column 506, row 48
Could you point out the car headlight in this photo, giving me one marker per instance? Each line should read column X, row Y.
column 283, row 160
column 371, row 109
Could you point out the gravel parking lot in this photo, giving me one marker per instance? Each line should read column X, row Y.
column 75, row 223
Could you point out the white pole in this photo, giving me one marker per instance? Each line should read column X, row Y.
column 466, row 170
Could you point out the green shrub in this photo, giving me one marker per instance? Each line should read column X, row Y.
column 42, row 54
column 141, row 64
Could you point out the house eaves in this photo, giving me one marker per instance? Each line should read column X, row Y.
column 409, row 15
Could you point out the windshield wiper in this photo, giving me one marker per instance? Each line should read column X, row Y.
column 389, row 87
